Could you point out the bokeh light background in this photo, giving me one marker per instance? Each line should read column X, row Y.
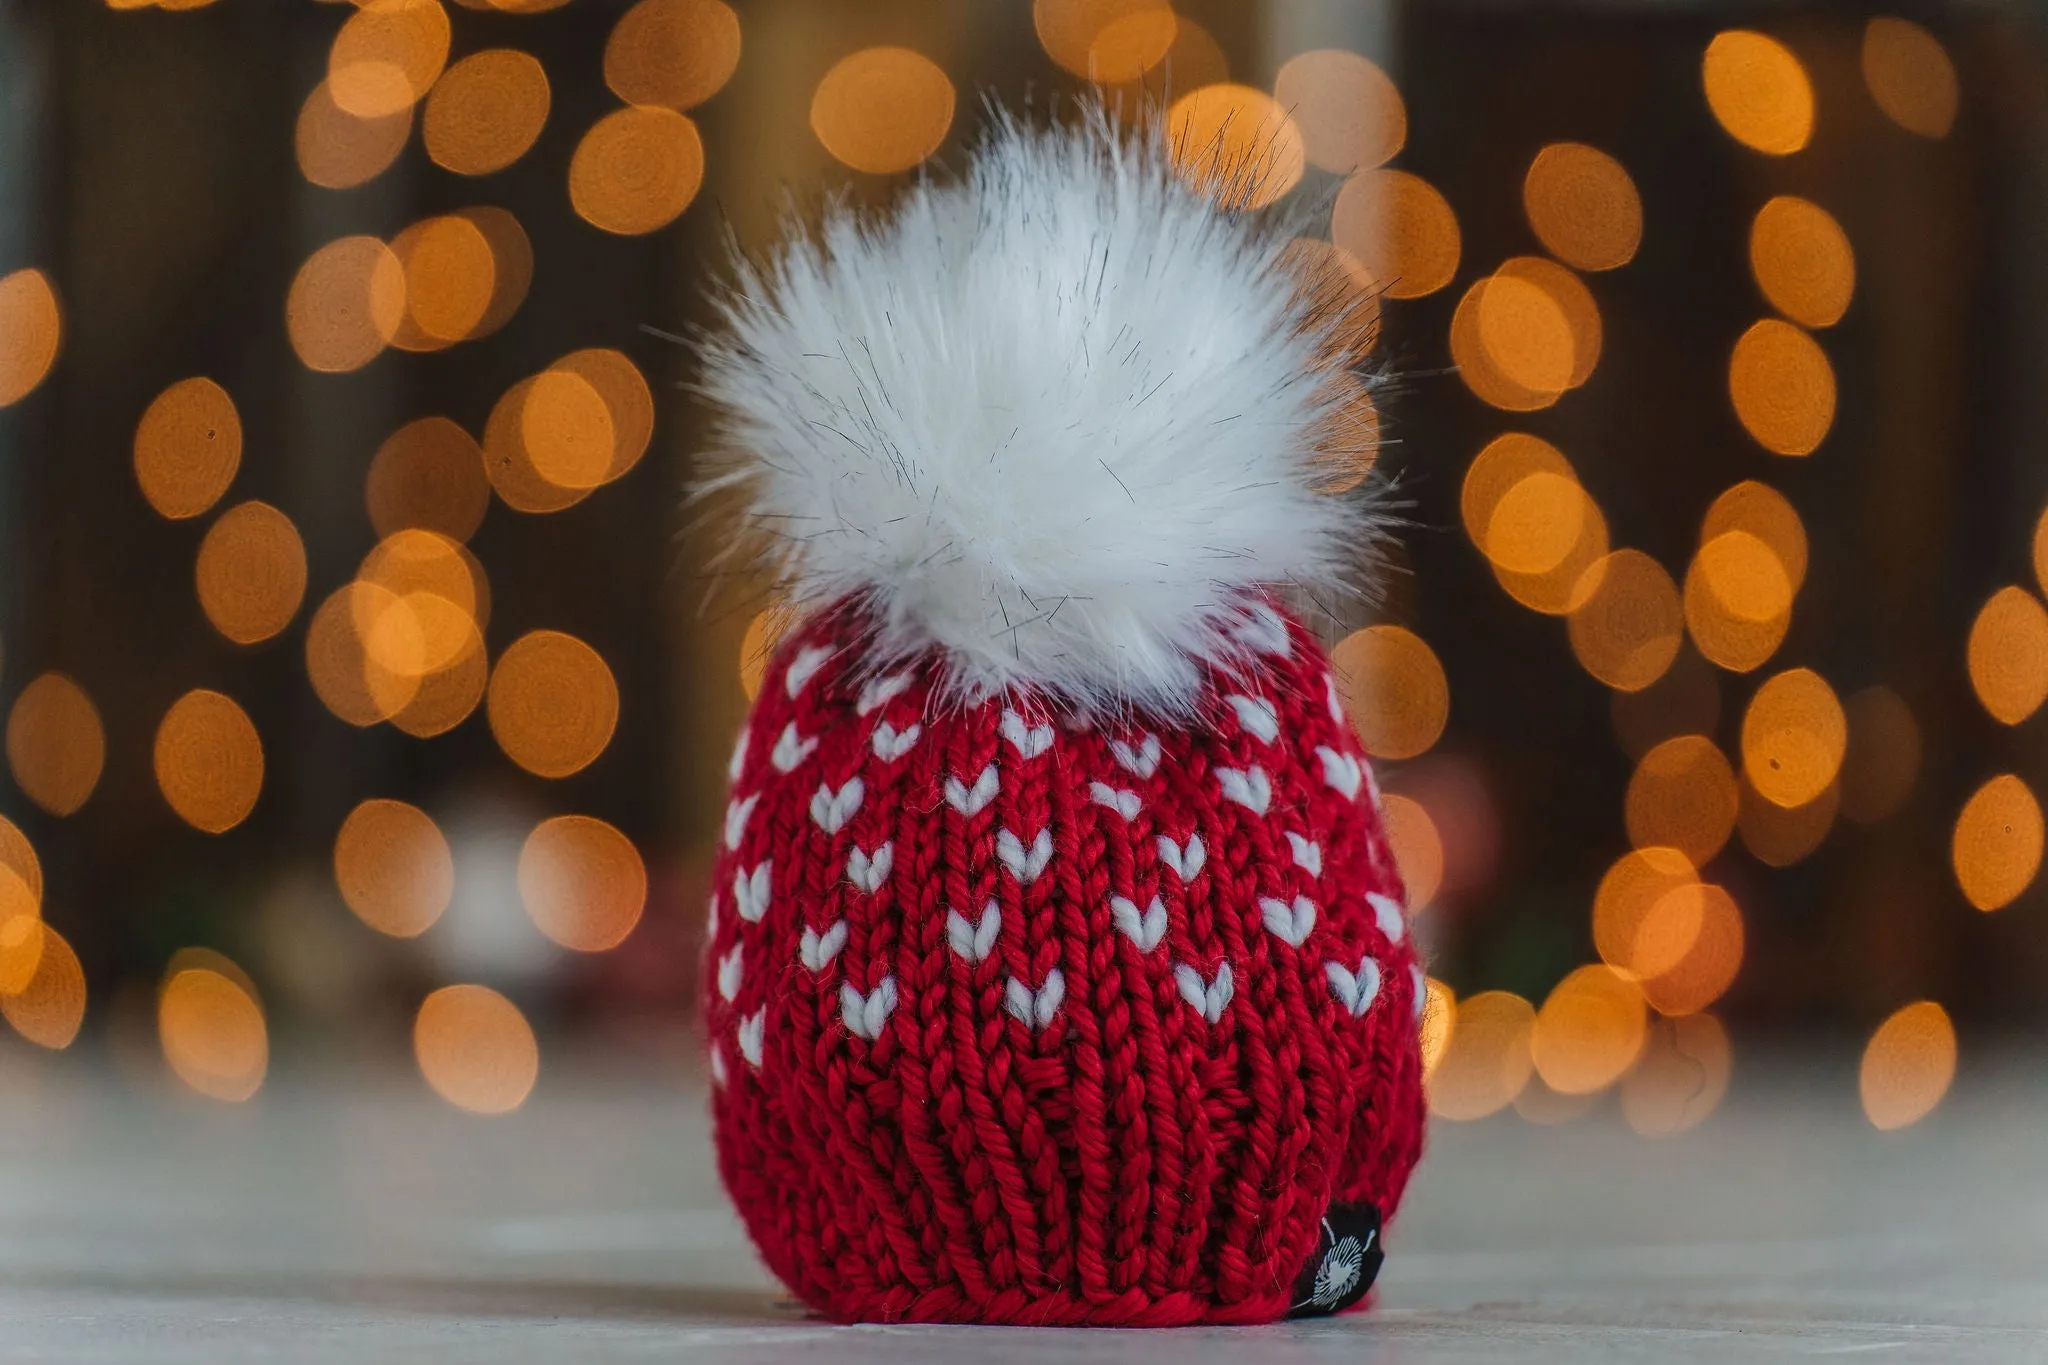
column 367, row 687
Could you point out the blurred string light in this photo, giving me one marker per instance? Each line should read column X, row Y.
column 1628, row 899
column 566, row 429
column 1738, row 599
column 555, row 436
column 628, row 405
column 210, row 1024
column 1347, row 446
column 1194, row 59
column 56, row 745
column 1758, row 510
column 1394, row 688
column 1583, row 206
column 387, row 56
column 1335, row 287
column 418, row 633
column 1802, row 261
column 21, row 932
column 1349, row 114
column 509, row 462
column 1439, row 1020
column 1758, row 91
column 1626, row 623
column 757, row 645
column 511, row 264
column 1488, row 1058
column 188, row 446
column 1540, row 531
column 345, row 305
column 209, row 761
column 1522, row 336
column 583, row 882
column 1689, row 948
column 1236, row 143
column 514, row 6
column 1996, row 848
column 1400, row 228
column 450, row 277
column 1589, row 1031
column 339, row 150
column 1909, row 74
column 486, row 111
column 403, row 641
column 2008, row 655
column 1794, row 735
column 428, row 475
column 1883, row 758
column 1680, row 1078
column 675, row 54
column 446, row 696
column 18, row 856
column 883, row 109
column 553, row 703
column 21, row 909
column 464, row 274
column 1106, row 41
column 251, row 572
column 31, row 329
column 42, row 989
column 2041, row 551
column 1908, row 1065
column 49, row 1005
column 393, row 867
column 1683, row 796
column 1417, row 846
column 432, row 574
column 1525, row 334
column 1779, row 836
column 1783, row 387
column 351, row 681
column 476, row 1049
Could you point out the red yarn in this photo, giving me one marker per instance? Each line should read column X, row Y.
column 1055, row 1132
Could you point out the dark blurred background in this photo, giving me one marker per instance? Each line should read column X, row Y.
column 1710, row 371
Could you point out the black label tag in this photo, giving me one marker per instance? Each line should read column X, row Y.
column 1343, row 1265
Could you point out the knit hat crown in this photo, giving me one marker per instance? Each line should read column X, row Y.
column 1058, row 970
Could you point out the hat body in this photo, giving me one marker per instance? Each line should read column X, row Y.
column 1021, row 1018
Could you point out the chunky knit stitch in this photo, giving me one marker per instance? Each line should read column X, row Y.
column 1021, row 1019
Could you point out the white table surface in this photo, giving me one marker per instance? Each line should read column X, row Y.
column 345, row 1217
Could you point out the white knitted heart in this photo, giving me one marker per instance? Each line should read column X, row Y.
column 865, row 1014
column 1209, row 998
column 869, row 870
column 833, row 809
column 1035, row 1009
column 1186, row 859
column 1291, row 924
column 971, row 801
column 1123, row 803
column 1144, row 928
column 750, row 893
column 805, row 666
column 974, row 941
column 1024, row 863
column 1259, row 717
column 816, row 950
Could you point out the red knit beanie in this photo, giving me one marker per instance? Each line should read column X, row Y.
column 1058, row 968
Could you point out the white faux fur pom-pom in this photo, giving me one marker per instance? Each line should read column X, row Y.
column 1064, row 419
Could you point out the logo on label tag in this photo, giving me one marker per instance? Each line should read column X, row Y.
column 1345, row 1262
